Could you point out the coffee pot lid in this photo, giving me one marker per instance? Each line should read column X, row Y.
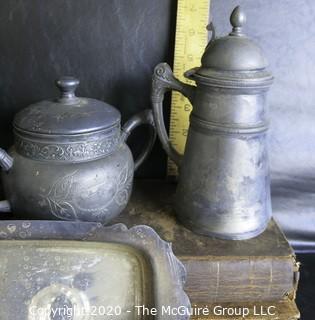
column 68, row 114
column 233, row 61
column 234, row 52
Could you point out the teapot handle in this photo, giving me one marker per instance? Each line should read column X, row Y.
column 144, row 117
column 6, row 163
column 163, row 80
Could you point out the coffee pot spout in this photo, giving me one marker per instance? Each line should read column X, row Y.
column 6, row 161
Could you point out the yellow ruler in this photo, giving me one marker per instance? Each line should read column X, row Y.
column 190, row 42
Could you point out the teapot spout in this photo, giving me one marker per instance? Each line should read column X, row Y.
column 6, row 161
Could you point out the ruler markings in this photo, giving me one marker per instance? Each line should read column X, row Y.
column 190, row 41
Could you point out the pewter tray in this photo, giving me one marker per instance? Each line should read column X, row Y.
column 68, row 270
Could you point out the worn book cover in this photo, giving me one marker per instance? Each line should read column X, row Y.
column 260, row 269
column 280, row 310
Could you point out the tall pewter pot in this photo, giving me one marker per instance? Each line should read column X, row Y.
column 223, row 188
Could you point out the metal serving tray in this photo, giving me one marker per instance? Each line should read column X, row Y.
column 81, row 271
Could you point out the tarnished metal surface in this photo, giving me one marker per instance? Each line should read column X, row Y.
column 211, row 264
column 70, row 160
column 224, row 187
column 109, row 267
column 68, row 114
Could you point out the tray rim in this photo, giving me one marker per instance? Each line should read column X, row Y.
column 167, row 292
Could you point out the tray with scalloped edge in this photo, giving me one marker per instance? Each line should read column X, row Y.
column 81, row 271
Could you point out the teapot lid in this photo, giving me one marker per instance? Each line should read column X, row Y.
column 233, row 60
column 68, row 114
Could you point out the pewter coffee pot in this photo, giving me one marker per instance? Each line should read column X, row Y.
column 223, row 188
column 70, row 160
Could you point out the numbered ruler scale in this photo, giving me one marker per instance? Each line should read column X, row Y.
column 190, row 42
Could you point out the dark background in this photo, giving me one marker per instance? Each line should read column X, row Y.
column 113, row 46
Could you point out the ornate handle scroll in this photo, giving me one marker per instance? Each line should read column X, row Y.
column 144, row 117
column 163, row 81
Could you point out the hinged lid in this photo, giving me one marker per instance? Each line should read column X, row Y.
column 68, row 114
column 233, row 60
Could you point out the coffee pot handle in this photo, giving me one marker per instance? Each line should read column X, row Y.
column 6, row 163
column 144, row 117
column 163, row 80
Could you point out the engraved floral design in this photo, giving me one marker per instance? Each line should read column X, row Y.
column 59, row 198
column 66, row 201
column 76, row 151
column 123, row 186
column 120, row 197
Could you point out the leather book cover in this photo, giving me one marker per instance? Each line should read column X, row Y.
column 280, row 310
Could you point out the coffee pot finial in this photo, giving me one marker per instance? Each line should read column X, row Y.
column 237, row 19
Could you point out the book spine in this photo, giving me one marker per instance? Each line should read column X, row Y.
column 243, row 279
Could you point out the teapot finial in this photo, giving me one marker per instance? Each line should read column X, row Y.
column 238, row 19
column 67, row 87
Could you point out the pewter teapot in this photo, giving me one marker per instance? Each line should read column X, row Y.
column 223, row 186
column 70, row 160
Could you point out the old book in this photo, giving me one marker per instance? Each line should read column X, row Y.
column 280, row 310
column 259, row 269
